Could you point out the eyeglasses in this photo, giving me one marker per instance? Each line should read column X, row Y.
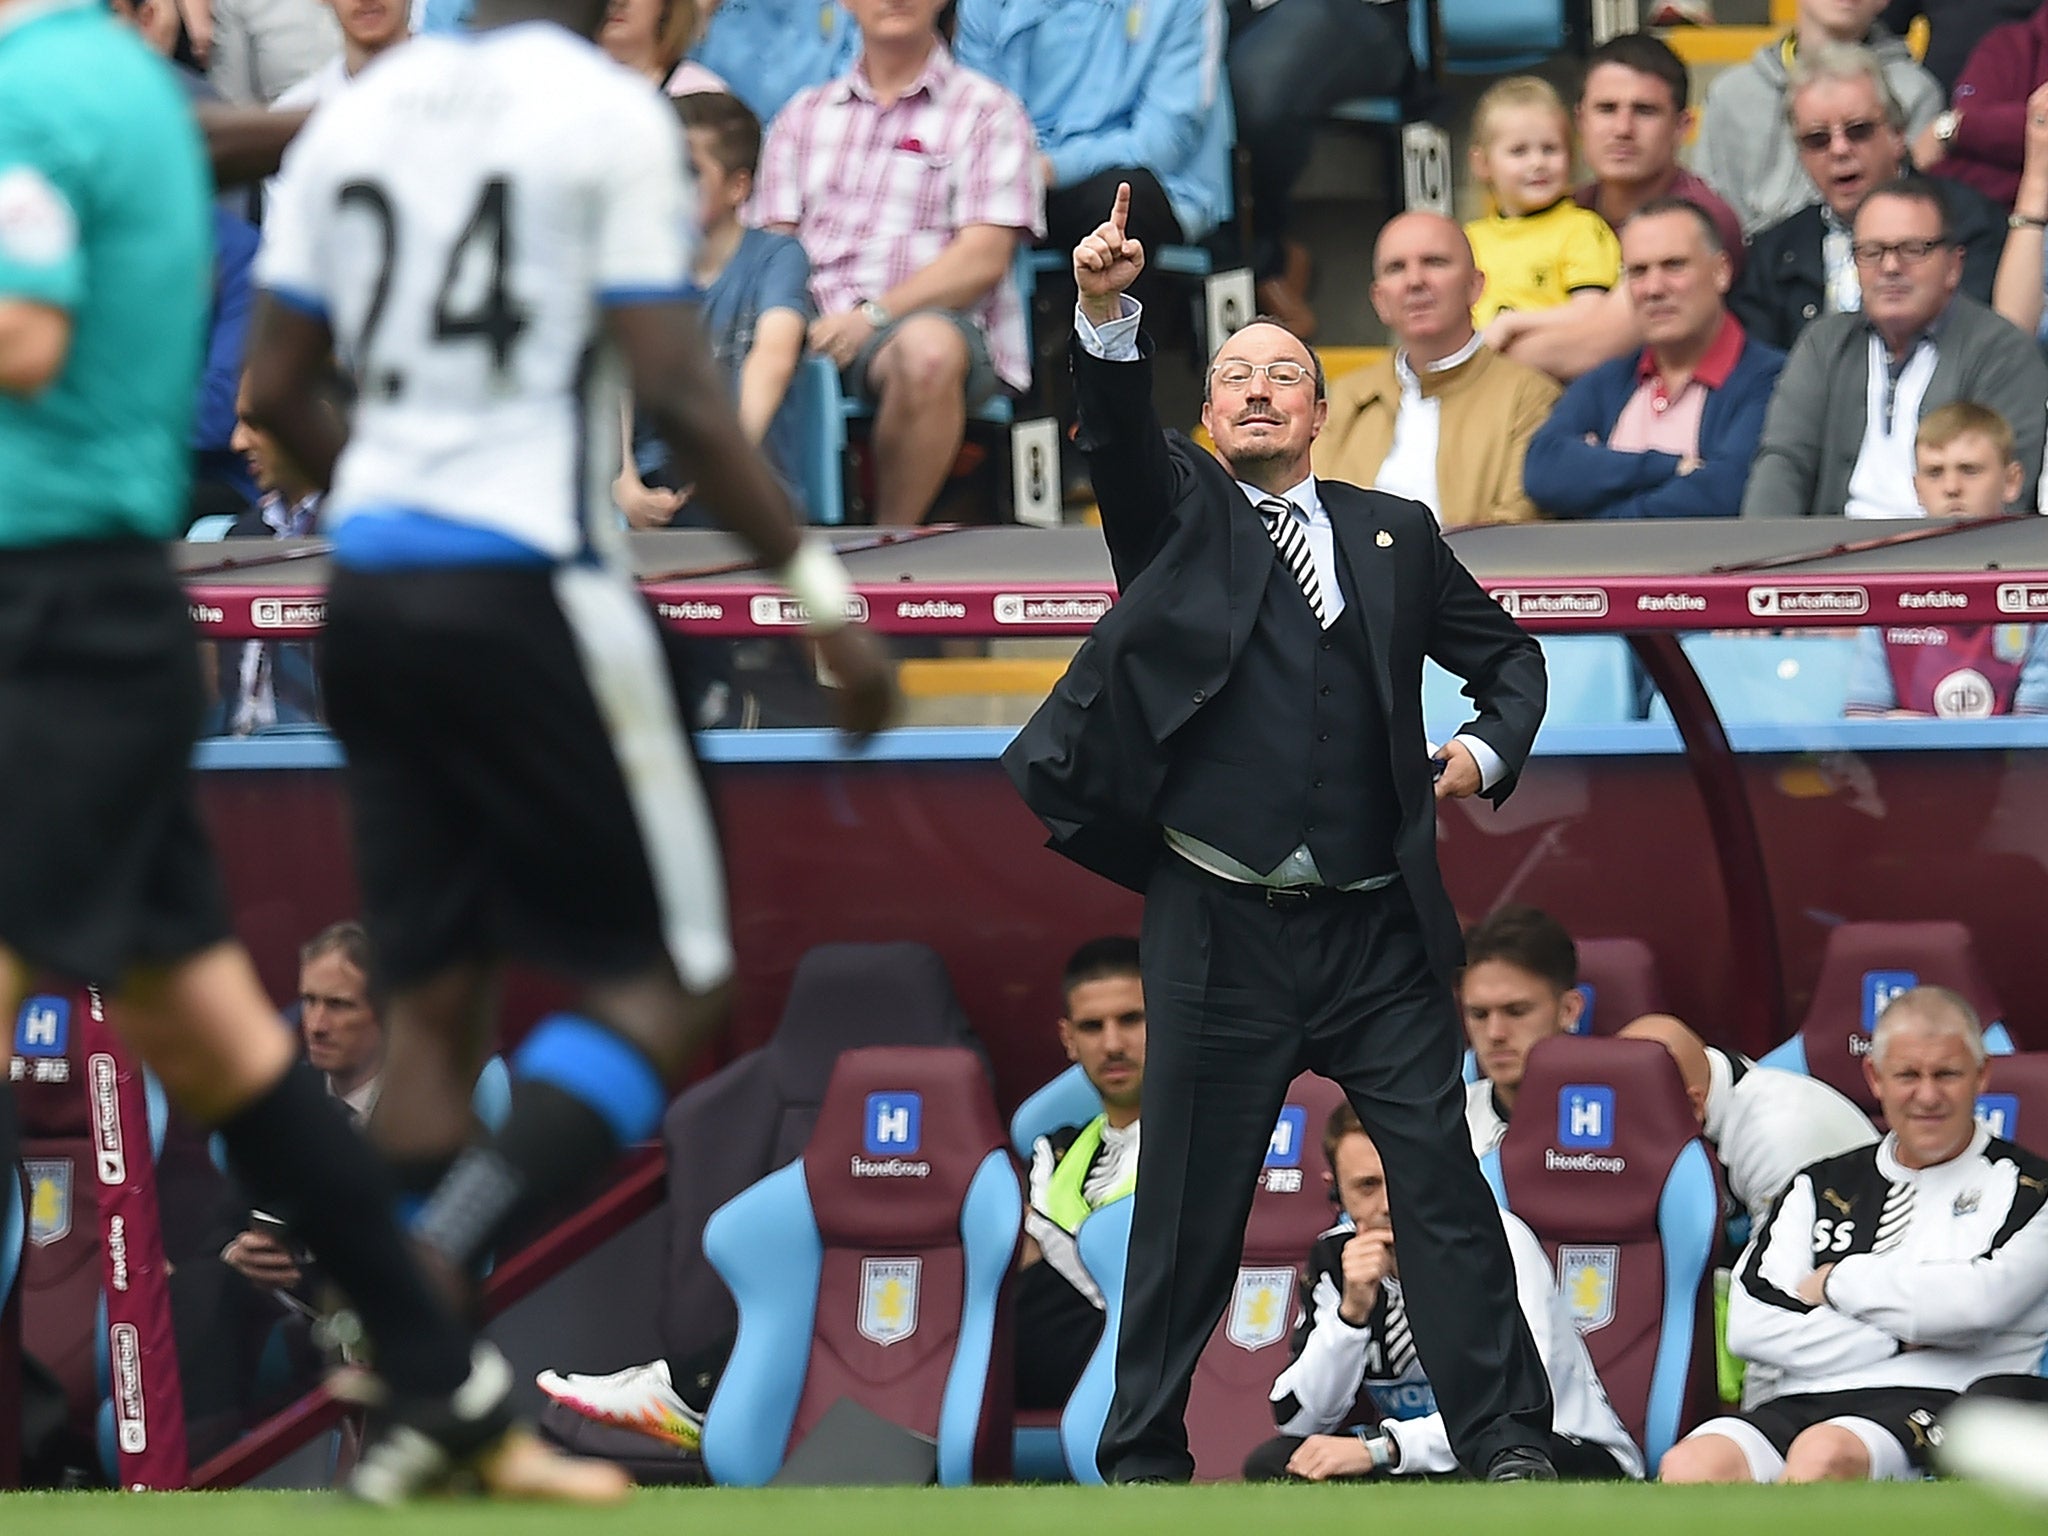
column 1909, row 253
column 1859, row 131
column 1281, row 375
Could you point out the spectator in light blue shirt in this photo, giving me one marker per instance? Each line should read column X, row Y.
column 768, row 50
column 1131, row 91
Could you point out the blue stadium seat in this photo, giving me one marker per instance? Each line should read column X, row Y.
column 1592, row 682
column 211, row 529
column 1069, row 1099
column 13, row 1229
column 1105, row 1240
column 1497, row 37
column 1769, row 679
column 816, row 406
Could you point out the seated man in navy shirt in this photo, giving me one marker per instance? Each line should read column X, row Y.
column 1669, row 432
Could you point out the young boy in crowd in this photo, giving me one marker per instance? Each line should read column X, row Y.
column 756, row 307
column 1964, row 466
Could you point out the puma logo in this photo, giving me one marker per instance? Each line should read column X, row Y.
column 1835, row 1200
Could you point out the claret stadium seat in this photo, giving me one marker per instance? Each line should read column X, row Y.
column 869, row 1277
column 1605, row 1163
column 1227, row 1403
column 754, row 1115
column 1619, row 980
column 2014, row 1104
column 1866, row 965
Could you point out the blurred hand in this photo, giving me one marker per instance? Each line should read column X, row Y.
column 262, row 1260
column 1460, row 778
column 1504, row 329
column 865, row 698
column 646, row 506
column 1368, row 1259
column 1108, row 261
column 1325, row 1456
column 840, row 337
column 2035, row 165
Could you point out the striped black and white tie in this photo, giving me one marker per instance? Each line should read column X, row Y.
column 1400, row 1342
column 1291, row 539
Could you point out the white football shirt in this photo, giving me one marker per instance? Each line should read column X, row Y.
column 461, row 216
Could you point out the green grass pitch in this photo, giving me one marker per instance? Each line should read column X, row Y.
column 1944, row 1509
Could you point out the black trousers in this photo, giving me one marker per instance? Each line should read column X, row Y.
column 1072, row 212
column 1239, row 997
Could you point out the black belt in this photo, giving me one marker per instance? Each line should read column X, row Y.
column 1288, row 898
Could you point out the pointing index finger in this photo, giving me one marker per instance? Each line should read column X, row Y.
column 1121, row 212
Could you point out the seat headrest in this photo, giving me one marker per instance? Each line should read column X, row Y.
column 1866, row 965
column 1620, row 980
column 1291, row 1204
column 1598, row 1123
column 849, row 995
column 900, row 1135
column 2015, row 1102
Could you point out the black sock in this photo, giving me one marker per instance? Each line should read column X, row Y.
column 297, row 1156
column 552, row 1144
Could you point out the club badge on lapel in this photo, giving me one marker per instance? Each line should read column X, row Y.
column 1384, row 539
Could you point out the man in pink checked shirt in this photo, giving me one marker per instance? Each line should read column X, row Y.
column 909, row 181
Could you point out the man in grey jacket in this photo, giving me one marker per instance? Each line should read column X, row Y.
column 1917, row 344
column 1745, row 147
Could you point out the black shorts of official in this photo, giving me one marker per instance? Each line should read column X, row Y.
column 1576, row 1461
column 1907, row 1414
column 104, row 862
column 520, row 778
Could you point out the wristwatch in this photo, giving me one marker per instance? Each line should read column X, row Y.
column 873, row 313
column 1945, row 123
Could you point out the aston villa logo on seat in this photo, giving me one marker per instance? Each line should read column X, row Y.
column 1258, row 1307
column 888, row 1299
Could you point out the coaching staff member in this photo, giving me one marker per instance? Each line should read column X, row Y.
column 1241, row 740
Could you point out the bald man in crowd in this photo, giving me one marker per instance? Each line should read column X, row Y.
column 1444, row 420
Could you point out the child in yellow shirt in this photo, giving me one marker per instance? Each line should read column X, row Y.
column 1537, row 247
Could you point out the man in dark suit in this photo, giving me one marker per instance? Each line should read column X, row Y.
column 1241, row 740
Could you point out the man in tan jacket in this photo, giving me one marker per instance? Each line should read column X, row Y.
column 1443, row 421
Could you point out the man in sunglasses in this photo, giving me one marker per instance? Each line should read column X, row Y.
column 1241, row 740
column 1851, row 136
column 1838, row 438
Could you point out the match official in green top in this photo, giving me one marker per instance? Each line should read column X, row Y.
column 106, row 875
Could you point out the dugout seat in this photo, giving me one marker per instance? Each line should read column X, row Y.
column 1039, row 1452
column 1605, row 1163
column 1866, row 965
column 871, row 1271
column 1619, row 981
column 2014, row 1104
column 755, row 1114
column 1227, row 1403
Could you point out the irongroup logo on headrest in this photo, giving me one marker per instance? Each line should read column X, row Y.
column 1879, row 988
column 1999, row 1113
column 1585, row 1127
column 43, row 1027
column 894, row 1123
column 892, row 1129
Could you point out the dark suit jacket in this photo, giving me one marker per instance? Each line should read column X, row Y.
column 1192, row 560
column 1785, row 283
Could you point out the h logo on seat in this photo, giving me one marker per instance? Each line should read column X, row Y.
column 893, row 1123
column 1879, row 988
column 1585, row 1116
column 1999, row 1113
column 1283, row 1149
column 41, row 1028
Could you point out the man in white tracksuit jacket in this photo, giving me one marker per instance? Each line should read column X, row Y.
column 1889, row 1278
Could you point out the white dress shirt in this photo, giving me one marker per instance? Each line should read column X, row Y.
column 1116, row 341
column 1409, row 468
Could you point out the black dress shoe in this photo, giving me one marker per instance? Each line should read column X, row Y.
column 1521, row 1464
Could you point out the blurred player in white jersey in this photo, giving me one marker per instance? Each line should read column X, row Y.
column 491, row 233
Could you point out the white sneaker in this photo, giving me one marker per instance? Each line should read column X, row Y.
column 640, row 1397
column 2000, row 1442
